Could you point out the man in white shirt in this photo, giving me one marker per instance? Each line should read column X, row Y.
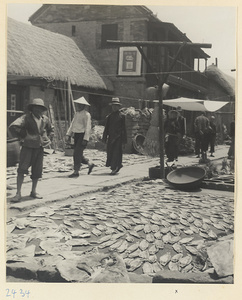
column 80, row 130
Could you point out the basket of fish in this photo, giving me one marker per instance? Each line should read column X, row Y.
column 187, row 178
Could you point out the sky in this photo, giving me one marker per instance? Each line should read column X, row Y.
column 215, row 25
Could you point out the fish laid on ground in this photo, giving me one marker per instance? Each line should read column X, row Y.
column 129, row 238
column 191, row 249
column 150, row 237
column 120, row 228
column 196, row 215
column 196, row 242
column 158, row 235
column 165, row 230
column 166, row 238
column 204, row 235
column 157, row 267
column 147, row 268
column 147, row 228
column 134, row 264
column 136, row 253
column 105, row 238
column 155, row 217
column 165, row 223
column 110, row 231
column 138, row 228
column 187, row 269
column 188, row 231
column 184, row 222
column 186, row 240
column 212, row 234
column 174, row 239
column 77, row 242
column 84, row 225
column 164, row 259
column 152, row 258
column 177, row 247
column 106, row 244
column 194, row 229
column 184, row 261
column 175, row 258
column 136, row 221
column 190, row 219
column 123, row 246
column 219, row 226
column 154, row 228
column 144, row 254
column 198, row 223
column 116, row 236
column 173, row 216
column 101, row 227
column 125, row 225
column 159, row 244
column 153, row 222
column 96, row 232
column 135, row 234
column 173, row 266
column 175, row 230
column 133, row 247
column 205, row 227
column 143, row 245
column 116, row 245
column 153, row 249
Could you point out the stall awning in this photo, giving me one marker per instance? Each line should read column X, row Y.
column 195, row 104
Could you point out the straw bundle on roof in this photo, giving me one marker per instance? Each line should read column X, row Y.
column 35, row 52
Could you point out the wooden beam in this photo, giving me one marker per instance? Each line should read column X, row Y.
column 158, row 43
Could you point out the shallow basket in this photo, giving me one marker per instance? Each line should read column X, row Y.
column 187, row 178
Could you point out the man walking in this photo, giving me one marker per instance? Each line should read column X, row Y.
column 201, row 125
column 33, row 129
column 115, row 136
column 80, row 130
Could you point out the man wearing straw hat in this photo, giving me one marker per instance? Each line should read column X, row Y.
column 115, row 136
column 80, row 129
column 33, row 129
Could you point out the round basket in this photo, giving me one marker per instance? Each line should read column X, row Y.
column 138, row 143
column 187, row 178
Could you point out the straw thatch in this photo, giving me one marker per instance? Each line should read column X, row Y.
column 225, row 81
column 35, row 52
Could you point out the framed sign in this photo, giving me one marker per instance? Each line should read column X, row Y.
column 129, row 61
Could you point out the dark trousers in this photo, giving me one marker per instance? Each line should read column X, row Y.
column 78, row 156
column 212, row 139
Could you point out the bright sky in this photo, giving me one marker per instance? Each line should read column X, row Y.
column 202, row 24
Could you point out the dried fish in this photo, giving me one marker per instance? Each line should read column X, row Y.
column 191, row 249
column 159, row 244
column 150, row 238
column 204, row 235
column 136, row 253
column 196, row 242
column 143, row 245
column 175, row 258
column 175, row 230
column 106, row 244
column 147, row 268
column 164, row 259
column 165, row 224
column 184, row 261
column 138, row 228
column 133, row 247
column 134, row 264
column 116, row 236
column 125, row 225
column 173, row 216
column 84, row 225
column 105, row 239
column 186, row 240
column 116, row 245
column 174, row 239
column 194, row 229
column 187, row 269
column 154, row 228
column 152, row 258
column 96, row 232
column 198, row 223
column 129, row 238
column 101, row 227
column 196, row 215
column 219, row 226
column 135, row 234
column 157, row 267
column 188, row 231
column 190, row 219
column 144, row 254
column 212, row 234
column 147, row 228
column 153, row 249
column 77, row 242
column 158, row 235
column 177, row 247
column 165, row 230
column 173, row 266
column 166, row 238
column 184, row 222
column 123, row 246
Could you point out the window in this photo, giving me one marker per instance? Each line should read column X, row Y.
column 13, row 104
column 109, row 32
column 73, row 30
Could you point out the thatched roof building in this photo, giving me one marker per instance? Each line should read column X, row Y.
column 225, row 81
column 37, row 53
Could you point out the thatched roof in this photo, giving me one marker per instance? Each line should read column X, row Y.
column 225, row 81
column 35, row 52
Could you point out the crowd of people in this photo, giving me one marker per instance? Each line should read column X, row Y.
column 35, row 132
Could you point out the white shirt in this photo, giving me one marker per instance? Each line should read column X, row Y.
column 81, row 123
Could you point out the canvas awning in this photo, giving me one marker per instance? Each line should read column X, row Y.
column 195, row 104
